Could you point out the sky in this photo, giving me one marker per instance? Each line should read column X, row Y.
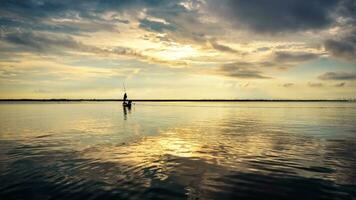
column 202, row 49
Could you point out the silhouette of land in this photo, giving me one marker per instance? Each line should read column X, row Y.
column 191, row 100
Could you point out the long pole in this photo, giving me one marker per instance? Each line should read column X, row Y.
column 124, row 86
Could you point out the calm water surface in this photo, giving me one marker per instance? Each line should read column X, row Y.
column 97, row 150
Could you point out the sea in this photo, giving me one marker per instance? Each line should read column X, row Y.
column 177, row 150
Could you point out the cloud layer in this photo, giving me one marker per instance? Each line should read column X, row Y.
column 338, row 76
column 288, row 43
column 278, row 15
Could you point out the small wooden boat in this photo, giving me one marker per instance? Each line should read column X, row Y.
column 127, row 104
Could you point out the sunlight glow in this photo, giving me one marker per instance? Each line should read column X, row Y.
column 176, row 53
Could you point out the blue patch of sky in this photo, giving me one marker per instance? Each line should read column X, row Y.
column 311, row 70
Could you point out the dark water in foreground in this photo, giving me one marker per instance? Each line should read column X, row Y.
column 261, row 150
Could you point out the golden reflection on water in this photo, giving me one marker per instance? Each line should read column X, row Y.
column 245, row 153
column 201, row 158
column 198, row 147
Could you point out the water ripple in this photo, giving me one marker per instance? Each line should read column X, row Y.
column 86, row 151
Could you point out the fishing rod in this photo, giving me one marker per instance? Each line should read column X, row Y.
column 124, row 86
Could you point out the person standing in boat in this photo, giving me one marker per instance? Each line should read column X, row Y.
column 125, row 98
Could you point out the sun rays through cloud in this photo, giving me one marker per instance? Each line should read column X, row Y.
column 285, row 49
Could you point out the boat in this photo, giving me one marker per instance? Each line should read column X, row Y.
column 127, row 104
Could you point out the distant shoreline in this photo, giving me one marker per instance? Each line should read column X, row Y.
column 186, row 100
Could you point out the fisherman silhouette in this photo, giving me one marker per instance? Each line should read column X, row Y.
column 125, row 97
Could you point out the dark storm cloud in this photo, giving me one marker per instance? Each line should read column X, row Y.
column 279, row 59
column 348, row 8
column 294, row 56
column 85, row 8
column 278, row 15
column 344, row 47
column 55, row 44
column 42, row 43
column 338, row 76
column 77, row 28
column 155, row 26
column 221, row 47
column 254, row 70
column 259, row 15
column 32, row 14
column 35, row 42
column 237, row 70
column 184, row 25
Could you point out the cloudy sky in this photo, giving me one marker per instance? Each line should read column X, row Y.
column 290, row 49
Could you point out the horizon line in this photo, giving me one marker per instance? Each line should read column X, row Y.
column 184, row 100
